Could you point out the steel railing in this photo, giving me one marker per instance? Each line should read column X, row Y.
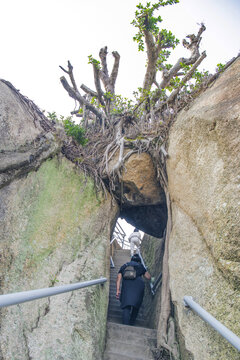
column 24, row 296
column 112, row 265
column 154, row 286
column 119, row 235
column 219, row 327
column 139, row 253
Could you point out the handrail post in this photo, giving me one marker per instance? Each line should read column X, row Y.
column 219, row 327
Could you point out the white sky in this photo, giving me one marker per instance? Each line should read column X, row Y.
column 39, row 35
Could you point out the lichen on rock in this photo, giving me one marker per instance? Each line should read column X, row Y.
column 203, row 174
column 58, row 233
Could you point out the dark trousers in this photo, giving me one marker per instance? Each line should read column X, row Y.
column 129, row 315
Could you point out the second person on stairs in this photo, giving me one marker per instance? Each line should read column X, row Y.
column 135, row 241
column 132, row 290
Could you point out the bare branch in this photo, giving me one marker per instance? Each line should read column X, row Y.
column 186, row 77
column 104, row 76
column 114, row 73
column 174, row 93
column 70, row 69
column 108, row 82
column 152, row 54
column 63, row 69
column 77, row 96
column 193, row 46
column 97, row 83
column 88, row 90
column 70, row 73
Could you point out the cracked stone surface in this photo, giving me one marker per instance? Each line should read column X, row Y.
column 25, row 144
column 203, row 171
column 54, row 230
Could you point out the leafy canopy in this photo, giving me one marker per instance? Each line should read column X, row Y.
column 146, row 21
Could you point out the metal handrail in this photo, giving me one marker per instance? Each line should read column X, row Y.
column 113, row 239
column 219, row 327
column 153, row 286
column 24, row 296
column 119, row 234
column 156, row 283
column 112, row 265
column 139, row 253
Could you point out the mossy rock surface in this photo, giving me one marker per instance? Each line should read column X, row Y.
column 56, row 231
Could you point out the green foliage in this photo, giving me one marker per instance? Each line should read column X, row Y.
column 146, row 21
column 121, row 105
column 94, row 62
column 168, row 39
column 199, row 76
column 53, row 280
column 53, row 116
column 75, row 130
column 72, row 129
column 220, row 67
column 163, row 56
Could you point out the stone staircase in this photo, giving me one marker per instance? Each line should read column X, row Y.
column 123, row 341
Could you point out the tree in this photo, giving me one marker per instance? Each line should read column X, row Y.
column 157, row 102
column 113, row 123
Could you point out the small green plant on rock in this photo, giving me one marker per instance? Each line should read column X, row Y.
column 71, row 128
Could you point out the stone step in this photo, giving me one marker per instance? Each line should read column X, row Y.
column 132, row 336
column 127, row 328
column 116, row 308
column 118, row 320
column 122, row 251
column 111, row 326
column 118, row 314
column 115, row 346
column 113, row 356
column 120, row 261
column 123, row 341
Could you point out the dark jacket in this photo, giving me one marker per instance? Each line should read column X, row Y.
column 132, row 290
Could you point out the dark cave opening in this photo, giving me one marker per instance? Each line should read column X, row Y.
column 151, row 219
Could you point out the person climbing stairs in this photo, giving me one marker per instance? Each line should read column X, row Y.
column 126, row 342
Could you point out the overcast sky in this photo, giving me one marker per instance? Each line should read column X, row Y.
column 39, row 35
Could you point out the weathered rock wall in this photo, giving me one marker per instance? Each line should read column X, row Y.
column 152, row 250
column 54, row 230
column 203, row 170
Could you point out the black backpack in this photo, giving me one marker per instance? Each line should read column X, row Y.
column 129, row 273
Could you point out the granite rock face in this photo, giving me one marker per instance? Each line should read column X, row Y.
column 17, row 125
column 204, row 184
column 25, row 133
column 54, row 230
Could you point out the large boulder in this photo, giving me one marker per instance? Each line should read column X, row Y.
column 140, row 185
column 204, row 173
column 141, row 198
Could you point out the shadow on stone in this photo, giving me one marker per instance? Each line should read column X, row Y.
column 151, row 219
